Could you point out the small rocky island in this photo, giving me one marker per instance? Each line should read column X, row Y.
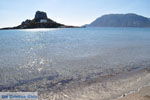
column 40, row 21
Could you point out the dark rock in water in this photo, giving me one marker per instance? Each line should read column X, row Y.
column 40, row 21
column 121, row 20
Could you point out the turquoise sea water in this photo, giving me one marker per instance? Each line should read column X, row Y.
column 73, row 53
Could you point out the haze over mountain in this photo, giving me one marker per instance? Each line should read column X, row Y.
column 121, row 20
column 40, row 21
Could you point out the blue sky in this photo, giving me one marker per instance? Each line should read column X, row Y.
column 69, row 12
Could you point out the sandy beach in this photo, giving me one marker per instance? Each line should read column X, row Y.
column 143, row 94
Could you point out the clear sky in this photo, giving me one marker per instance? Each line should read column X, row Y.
column 69, row 12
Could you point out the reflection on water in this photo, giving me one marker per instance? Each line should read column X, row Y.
column 78, row 53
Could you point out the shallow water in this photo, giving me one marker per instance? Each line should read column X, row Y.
column 71, row 54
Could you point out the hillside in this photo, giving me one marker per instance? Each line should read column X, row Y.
column 121, row 20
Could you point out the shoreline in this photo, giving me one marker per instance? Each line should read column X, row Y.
column 142, row 94
column 108, row 89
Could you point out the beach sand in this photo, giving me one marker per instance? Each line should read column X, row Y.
column 109, row 88
column 143, row 94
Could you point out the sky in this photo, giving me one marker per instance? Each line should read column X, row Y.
column 69, row 12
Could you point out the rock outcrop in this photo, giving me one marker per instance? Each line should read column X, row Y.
column 40, row 15
column 121, row 20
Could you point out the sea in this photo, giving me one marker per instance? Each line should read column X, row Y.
column 45, row 58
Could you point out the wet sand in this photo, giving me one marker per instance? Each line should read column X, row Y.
column 143, row 94
column 109, row 88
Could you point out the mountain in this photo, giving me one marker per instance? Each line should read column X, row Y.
column 121, row 20
column 40, row 21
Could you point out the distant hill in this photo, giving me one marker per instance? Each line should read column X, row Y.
column 121, row 20
column 40, row 21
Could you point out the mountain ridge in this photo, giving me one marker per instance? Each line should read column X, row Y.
column 121, row 20
column 109, row 20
